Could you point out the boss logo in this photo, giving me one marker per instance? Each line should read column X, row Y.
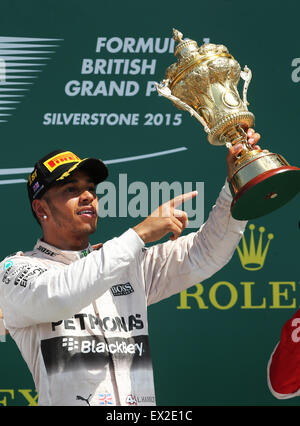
column 122, row 289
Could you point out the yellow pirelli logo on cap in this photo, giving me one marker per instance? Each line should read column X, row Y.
column 59, row 159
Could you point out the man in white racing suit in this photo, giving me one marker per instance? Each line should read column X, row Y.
column 78, row 314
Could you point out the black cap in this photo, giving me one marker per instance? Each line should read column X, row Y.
column 58, row 165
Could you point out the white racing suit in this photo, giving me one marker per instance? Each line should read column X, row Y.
column 80, row 318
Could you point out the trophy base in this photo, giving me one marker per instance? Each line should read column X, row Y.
column 265, row 193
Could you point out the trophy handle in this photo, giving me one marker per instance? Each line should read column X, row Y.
column 246, row 75
column 165, row 91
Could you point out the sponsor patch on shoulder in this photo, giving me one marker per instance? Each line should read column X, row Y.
column 121, row 289
column 21, row 273
column 8, row 264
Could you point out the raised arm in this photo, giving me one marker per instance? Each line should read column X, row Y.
column 176, row 265
column 173, row 266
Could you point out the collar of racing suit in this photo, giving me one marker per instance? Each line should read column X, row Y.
column 56, row 254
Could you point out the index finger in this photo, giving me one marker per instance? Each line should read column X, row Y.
column 179, row 199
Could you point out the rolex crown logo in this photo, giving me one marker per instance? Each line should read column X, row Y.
column 253, row 256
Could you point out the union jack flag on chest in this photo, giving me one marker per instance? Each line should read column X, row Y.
column 105, row 399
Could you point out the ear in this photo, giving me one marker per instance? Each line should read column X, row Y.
column 40, row 208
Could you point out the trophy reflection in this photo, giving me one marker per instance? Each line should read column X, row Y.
column 204, row 82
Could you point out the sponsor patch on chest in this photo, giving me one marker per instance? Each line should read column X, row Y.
column 121, row 289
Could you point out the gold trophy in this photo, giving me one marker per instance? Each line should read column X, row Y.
column 204, row 82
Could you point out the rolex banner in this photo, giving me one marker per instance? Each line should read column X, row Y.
column 81, row 76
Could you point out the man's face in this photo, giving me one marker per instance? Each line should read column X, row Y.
column 73, row 205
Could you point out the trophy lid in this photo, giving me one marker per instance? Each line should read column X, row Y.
column 189, row 46
column 189, row 54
